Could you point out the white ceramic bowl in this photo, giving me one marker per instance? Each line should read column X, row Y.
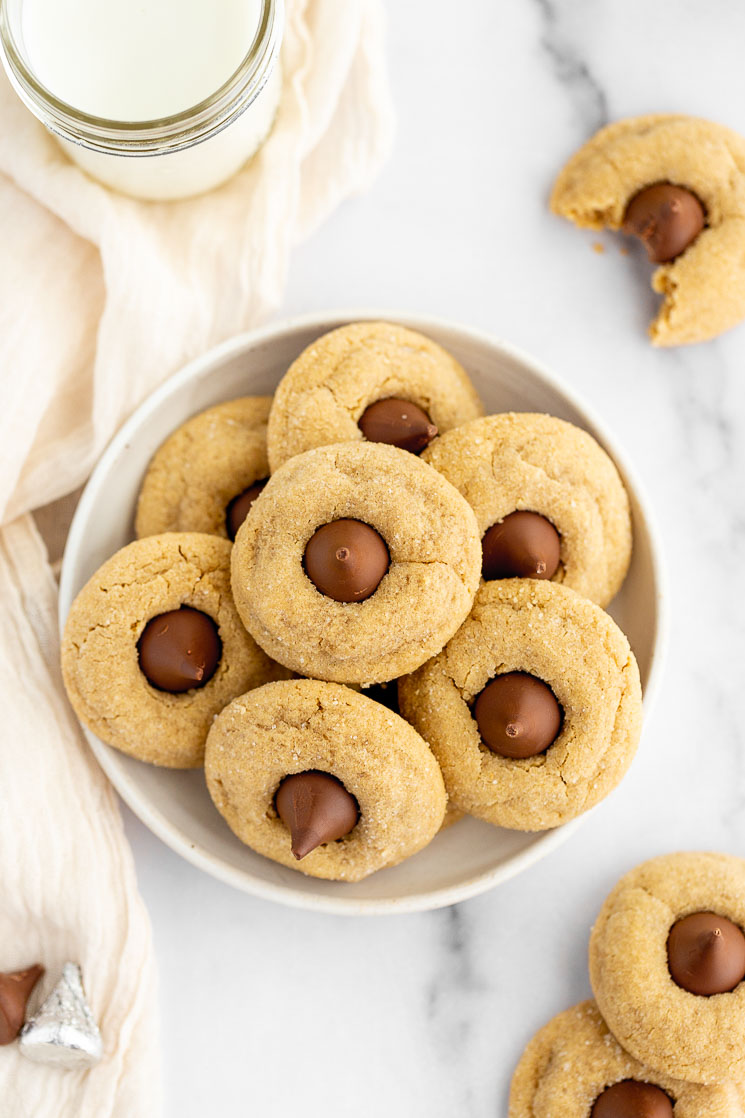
column 469, row 857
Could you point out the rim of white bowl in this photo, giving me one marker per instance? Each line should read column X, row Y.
column 178, row 840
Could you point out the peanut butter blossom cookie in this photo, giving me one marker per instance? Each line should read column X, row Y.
column 667, row 963
column 207, row 474
column 322, row 779
column 548, row 500
column 357, row 564
column 369, row 380
column 153, row 648
column 534, row 707
column 574, row 1068
column 678, row 183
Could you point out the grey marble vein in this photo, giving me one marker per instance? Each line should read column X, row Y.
column 572, row 70
column 456, row 999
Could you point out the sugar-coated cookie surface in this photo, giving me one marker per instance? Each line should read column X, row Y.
column 325, row 391
column 306, row 725
column 203, row 466
column 542, row 464
column 701, row 1039
column 574, row 1058
column 570, row 644
column 704, row 287
column 435, row 561
column 100, row 662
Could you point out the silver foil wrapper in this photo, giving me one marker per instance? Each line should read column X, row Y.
column 63, row 1031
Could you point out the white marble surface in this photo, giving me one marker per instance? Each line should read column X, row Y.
column 271, row 1011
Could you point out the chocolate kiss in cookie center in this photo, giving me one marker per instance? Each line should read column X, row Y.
column 15, row 989
column 346, row 560
column 179, row 650
column 316, row 808
column 666, row 218
column 399, row 423
column 517, row 715
column 632, row 1098
column 522, row 545
column 706, row 954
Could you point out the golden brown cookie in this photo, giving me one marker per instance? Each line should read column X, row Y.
column 432, row 542
column 204, row 466
column 307, row 726
column 575, row 1058
column 548, row 632
column 704, row 287
column 325, row 392
column 100, row 657
column 691, row 1036
column 542, row 464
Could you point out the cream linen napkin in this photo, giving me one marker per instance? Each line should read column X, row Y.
column 101, row 298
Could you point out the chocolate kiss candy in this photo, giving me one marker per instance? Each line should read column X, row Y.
column 346, row 560
column 632, row 1099
column 63, row 1031
column 15, row 989
column 523, row 545
column 179, row 650
column 517, row 715
column 316, row 808
column 706, row 954
column 240, row 506
column 399, row 423
column 666, row 219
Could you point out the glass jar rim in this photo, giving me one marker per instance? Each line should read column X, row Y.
column 149, row 137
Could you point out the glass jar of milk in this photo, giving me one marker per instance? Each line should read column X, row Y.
column 156, row 98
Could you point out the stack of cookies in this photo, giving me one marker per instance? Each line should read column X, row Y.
column 665, row 1037
column 365, row 608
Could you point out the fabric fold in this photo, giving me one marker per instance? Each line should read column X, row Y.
column 142, row 287
column 69, row 887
